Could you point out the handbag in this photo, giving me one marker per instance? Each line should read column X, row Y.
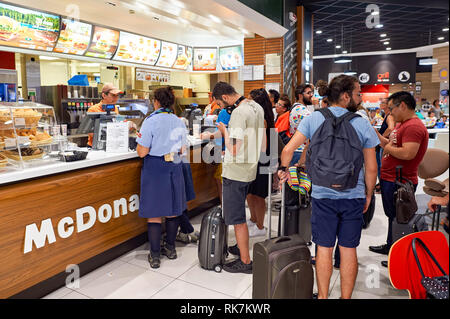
column 405, row 199
column 435, row 287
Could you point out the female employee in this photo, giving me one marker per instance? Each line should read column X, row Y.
column 160, row 141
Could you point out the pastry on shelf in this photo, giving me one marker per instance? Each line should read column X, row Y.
column 28, row 154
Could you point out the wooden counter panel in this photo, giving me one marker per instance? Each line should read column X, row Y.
column 59, row 196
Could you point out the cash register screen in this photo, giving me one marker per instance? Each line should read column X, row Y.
column 87, row 124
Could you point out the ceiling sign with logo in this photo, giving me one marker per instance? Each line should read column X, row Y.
column 386, row 69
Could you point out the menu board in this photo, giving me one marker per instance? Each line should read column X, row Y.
column 26, row 28
column 168, row 55
column 184, row 58
column 137, row 49
column 74, row 37
column 231, row 58
column 205, row 59
column 104, row 43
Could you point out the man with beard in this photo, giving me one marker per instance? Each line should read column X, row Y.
column 337, row 213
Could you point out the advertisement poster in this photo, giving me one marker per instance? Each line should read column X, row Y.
column 168, row 54
column 184, row 58
column 137, row 49
column 74, row 37
column 205, row 59
column 104, row 43
column 28, row 29
column 231, row 58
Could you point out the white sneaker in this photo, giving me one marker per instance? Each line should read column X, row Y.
column 250, row 223
column 254, row 231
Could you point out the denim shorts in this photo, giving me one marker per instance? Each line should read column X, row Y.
column 341, row 218
column 234, row 196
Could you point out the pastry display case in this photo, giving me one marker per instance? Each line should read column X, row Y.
column 28, row 135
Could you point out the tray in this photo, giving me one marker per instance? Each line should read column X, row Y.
column 15, row 156
column 3, row 161
column 43, row 142
column 77, row 156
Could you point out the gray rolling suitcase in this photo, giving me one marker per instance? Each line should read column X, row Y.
column 213, row 240
column 281, row 266
column 416, row 224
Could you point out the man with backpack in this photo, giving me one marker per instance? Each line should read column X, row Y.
column 341, row 143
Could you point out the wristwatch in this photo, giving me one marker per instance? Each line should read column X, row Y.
column 282, row 168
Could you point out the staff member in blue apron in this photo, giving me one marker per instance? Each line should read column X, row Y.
column 161, row 140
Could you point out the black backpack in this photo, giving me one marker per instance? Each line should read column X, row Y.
column 334, row 157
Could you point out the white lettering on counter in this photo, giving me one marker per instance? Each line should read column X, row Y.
column 85, row 219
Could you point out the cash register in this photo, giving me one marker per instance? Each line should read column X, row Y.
column 193, row 113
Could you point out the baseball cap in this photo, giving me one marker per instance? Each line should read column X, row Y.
column 110, row 88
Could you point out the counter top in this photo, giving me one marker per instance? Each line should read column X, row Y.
column 55, row 166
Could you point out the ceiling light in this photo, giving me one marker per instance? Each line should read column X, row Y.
column 156, row 18
column 338, row 47
column 441, row 38
column 388, row 49
column 343, row 59
column 214, row 31
column 445, row 29
column 387, row 42
column 329, row 40
column 48, row 58
column 350, row 72
column 245, row 31
column 378, row 26
column 111, row 3
column 386, row 39
column 183, row 20
column 375, row 13
column 215, row 19
column 428, row 61
column 383, row 35
column 319, row 32
column 344, row 51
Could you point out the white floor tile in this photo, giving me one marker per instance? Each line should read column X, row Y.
column 126, row 282
column 75, row 295
column 247, row 293
column 58, row 294
column 100, row 272
column 179, row 289
column 230, row 284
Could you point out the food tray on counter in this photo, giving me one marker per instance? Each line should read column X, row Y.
column 14, row 155
column 72, row 156
column 41, row 143
column 3, row 160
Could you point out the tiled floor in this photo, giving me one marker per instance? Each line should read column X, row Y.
column 130, row 276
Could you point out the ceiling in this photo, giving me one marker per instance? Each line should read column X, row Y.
column 189, row 22
column 406, row 23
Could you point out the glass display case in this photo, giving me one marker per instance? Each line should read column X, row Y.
column 29, row 135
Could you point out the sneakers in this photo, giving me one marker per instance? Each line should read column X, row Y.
column 250, row 223
column 168, row 251
column 234, row 250
column 154, row 260
column 254, row 231
column 237, row 266
column 188, row 238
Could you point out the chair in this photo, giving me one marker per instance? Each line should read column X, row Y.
column 402, row 267
column 441, row 142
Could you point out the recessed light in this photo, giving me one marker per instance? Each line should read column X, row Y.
column 344, row 52
column 383, row 35
column 329, row 40
column 318, row 31
column 387, row 42
column 156, row 18
column 386, row 39
column 338, row 47
column 388, row 49
column 441, row 38
column 215, row 19
column 110, row 3
column 445, row 29
column 183, row 20
column 378, row 26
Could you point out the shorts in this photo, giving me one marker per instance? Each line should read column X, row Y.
column 341, row 218
column 234, row 196
column 260, row 186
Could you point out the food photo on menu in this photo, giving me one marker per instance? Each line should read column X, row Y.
column 184, row 58
column 74, row 37
column 138, row 49
column 205, row 59
column 27, row 28
column 231, row 57
column 104, row 43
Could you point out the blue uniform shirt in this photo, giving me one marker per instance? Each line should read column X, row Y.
column 163, row 133
column 368, row 138
column 224, row 117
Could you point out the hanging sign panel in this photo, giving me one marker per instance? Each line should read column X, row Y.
column 184, row 58
column 168, row 54
column 24, row 28
column 205, row 59
column 231, row 58
column 74, row 37
column 104, row 43
column 137, row 49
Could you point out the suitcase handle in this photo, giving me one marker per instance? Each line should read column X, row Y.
column 282, row 239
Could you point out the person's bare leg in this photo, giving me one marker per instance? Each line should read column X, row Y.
column 348, row 271
column 241, row 232
column 324, row 269
column 260, row 208
column 252, row 206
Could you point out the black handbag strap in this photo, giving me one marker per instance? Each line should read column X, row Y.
column 428, row 252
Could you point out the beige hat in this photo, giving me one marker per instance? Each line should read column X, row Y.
column 110, row 88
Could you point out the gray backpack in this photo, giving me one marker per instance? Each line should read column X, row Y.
column 334, row 157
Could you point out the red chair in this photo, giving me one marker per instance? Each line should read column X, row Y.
column 403, row 270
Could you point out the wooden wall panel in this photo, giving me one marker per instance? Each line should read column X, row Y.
column 255, row 50
column 442, row 55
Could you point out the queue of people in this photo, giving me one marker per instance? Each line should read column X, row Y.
column 244, row 125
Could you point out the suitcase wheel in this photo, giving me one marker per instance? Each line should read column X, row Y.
column 218, row 268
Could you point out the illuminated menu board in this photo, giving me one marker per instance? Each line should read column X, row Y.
column 205, row 59
column 137, row 49
column 104, row 43
column 184, row 58
column 231, row 58
column 26, row 28
column 168, row 55
column 74, row 37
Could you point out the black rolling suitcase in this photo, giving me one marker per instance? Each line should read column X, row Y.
column 213, row 240
column 368, row 216
column 281, row 266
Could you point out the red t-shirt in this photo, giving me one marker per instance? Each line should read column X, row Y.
column 409, row 131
